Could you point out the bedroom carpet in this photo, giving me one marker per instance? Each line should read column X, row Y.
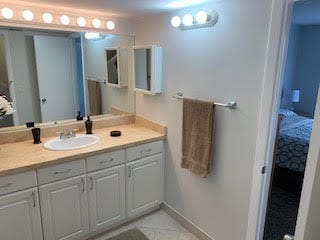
column 132, row 234
column 282, row 214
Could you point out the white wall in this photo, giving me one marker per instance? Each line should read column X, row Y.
column 291, row 66
column 307, row 73
column 222, row 63
column 94, row 66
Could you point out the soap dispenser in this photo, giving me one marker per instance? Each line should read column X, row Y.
column 79, row 116
column 88, row 125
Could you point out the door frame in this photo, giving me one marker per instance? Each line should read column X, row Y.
column 276, row 52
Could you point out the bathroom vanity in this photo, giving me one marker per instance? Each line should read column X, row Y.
column 77, row 194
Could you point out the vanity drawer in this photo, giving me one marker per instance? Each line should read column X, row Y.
column 105, row 160
column 144, row 150
column 17, row 182
column 60, row 171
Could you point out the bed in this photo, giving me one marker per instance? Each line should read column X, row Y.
column 292, row 150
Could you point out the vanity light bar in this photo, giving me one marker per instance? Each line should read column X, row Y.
column 63, row 19
column 200, row 20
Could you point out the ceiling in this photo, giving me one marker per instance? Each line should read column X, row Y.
column 125, row 8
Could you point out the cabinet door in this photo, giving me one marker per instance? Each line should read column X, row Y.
column 64, row 209
column 20, row 216
column 106, row 197
column 144, row 184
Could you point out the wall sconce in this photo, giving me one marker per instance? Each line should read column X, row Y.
column 201, row 20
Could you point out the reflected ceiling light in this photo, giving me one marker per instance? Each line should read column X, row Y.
column 176, row 21
column 7, row 13
column 27, row 15
column 201, row 17
column 187, row 20
column 64, row 19
column 81, row 21
column 93, row 36
column 110, row 25
column 96, row 23
column 47, row 17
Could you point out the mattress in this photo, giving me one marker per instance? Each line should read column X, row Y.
column 293, row 143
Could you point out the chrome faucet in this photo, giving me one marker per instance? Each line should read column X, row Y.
column 67, row 135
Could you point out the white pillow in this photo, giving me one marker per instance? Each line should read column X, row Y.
column 287, row 113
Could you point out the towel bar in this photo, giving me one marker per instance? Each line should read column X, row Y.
column 230, row 104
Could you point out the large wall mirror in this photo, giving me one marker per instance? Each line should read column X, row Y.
column 51, row 76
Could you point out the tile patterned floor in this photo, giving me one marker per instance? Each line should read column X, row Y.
column 156, row 226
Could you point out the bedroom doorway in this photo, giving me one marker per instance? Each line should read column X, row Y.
column 295, row 122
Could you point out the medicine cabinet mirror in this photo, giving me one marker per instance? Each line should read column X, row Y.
column 147, row 68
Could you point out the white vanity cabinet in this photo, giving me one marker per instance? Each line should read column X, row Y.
column 144, row 179
column 106, row 197
column 77, row 199
column 20, row 216
column 64, row 208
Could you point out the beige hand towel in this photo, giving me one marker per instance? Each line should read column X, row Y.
column 197, row 136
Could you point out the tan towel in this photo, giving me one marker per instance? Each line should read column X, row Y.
column 94, row 97
column 197, row 136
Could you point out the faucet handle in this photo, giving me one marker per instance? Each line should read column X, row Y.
column 72, row 133
column 61, row 133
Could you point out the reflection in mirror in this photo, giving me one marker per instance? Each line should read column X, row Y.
column 51, row 75
column 142, row 59
column 4, row 81
column 111, row 56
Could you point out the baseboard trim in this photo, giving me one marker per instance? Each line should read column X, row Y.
column 185, row 222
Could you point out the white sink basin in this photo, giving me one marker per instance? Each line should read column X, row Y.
column 80, row 141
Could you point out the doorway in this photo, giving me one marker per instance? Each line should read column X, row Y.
column 267, row 173
column 295, row 121
column 300, row 84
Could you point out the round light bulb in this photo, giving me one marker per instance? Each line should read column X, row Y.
column 201, row 17
column 110, row 25
column 47, row 17
column 187, row 20
column 81, row 21
column 7, row 13
column 176, row 21
column 96, row 23
column 64, row 19
column 27, row 15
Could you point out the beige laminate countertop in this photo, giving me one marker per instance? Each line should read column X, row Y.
column 21, row 156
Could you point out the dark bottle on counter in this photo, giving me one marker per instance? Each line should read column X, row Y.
column 88, row 124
